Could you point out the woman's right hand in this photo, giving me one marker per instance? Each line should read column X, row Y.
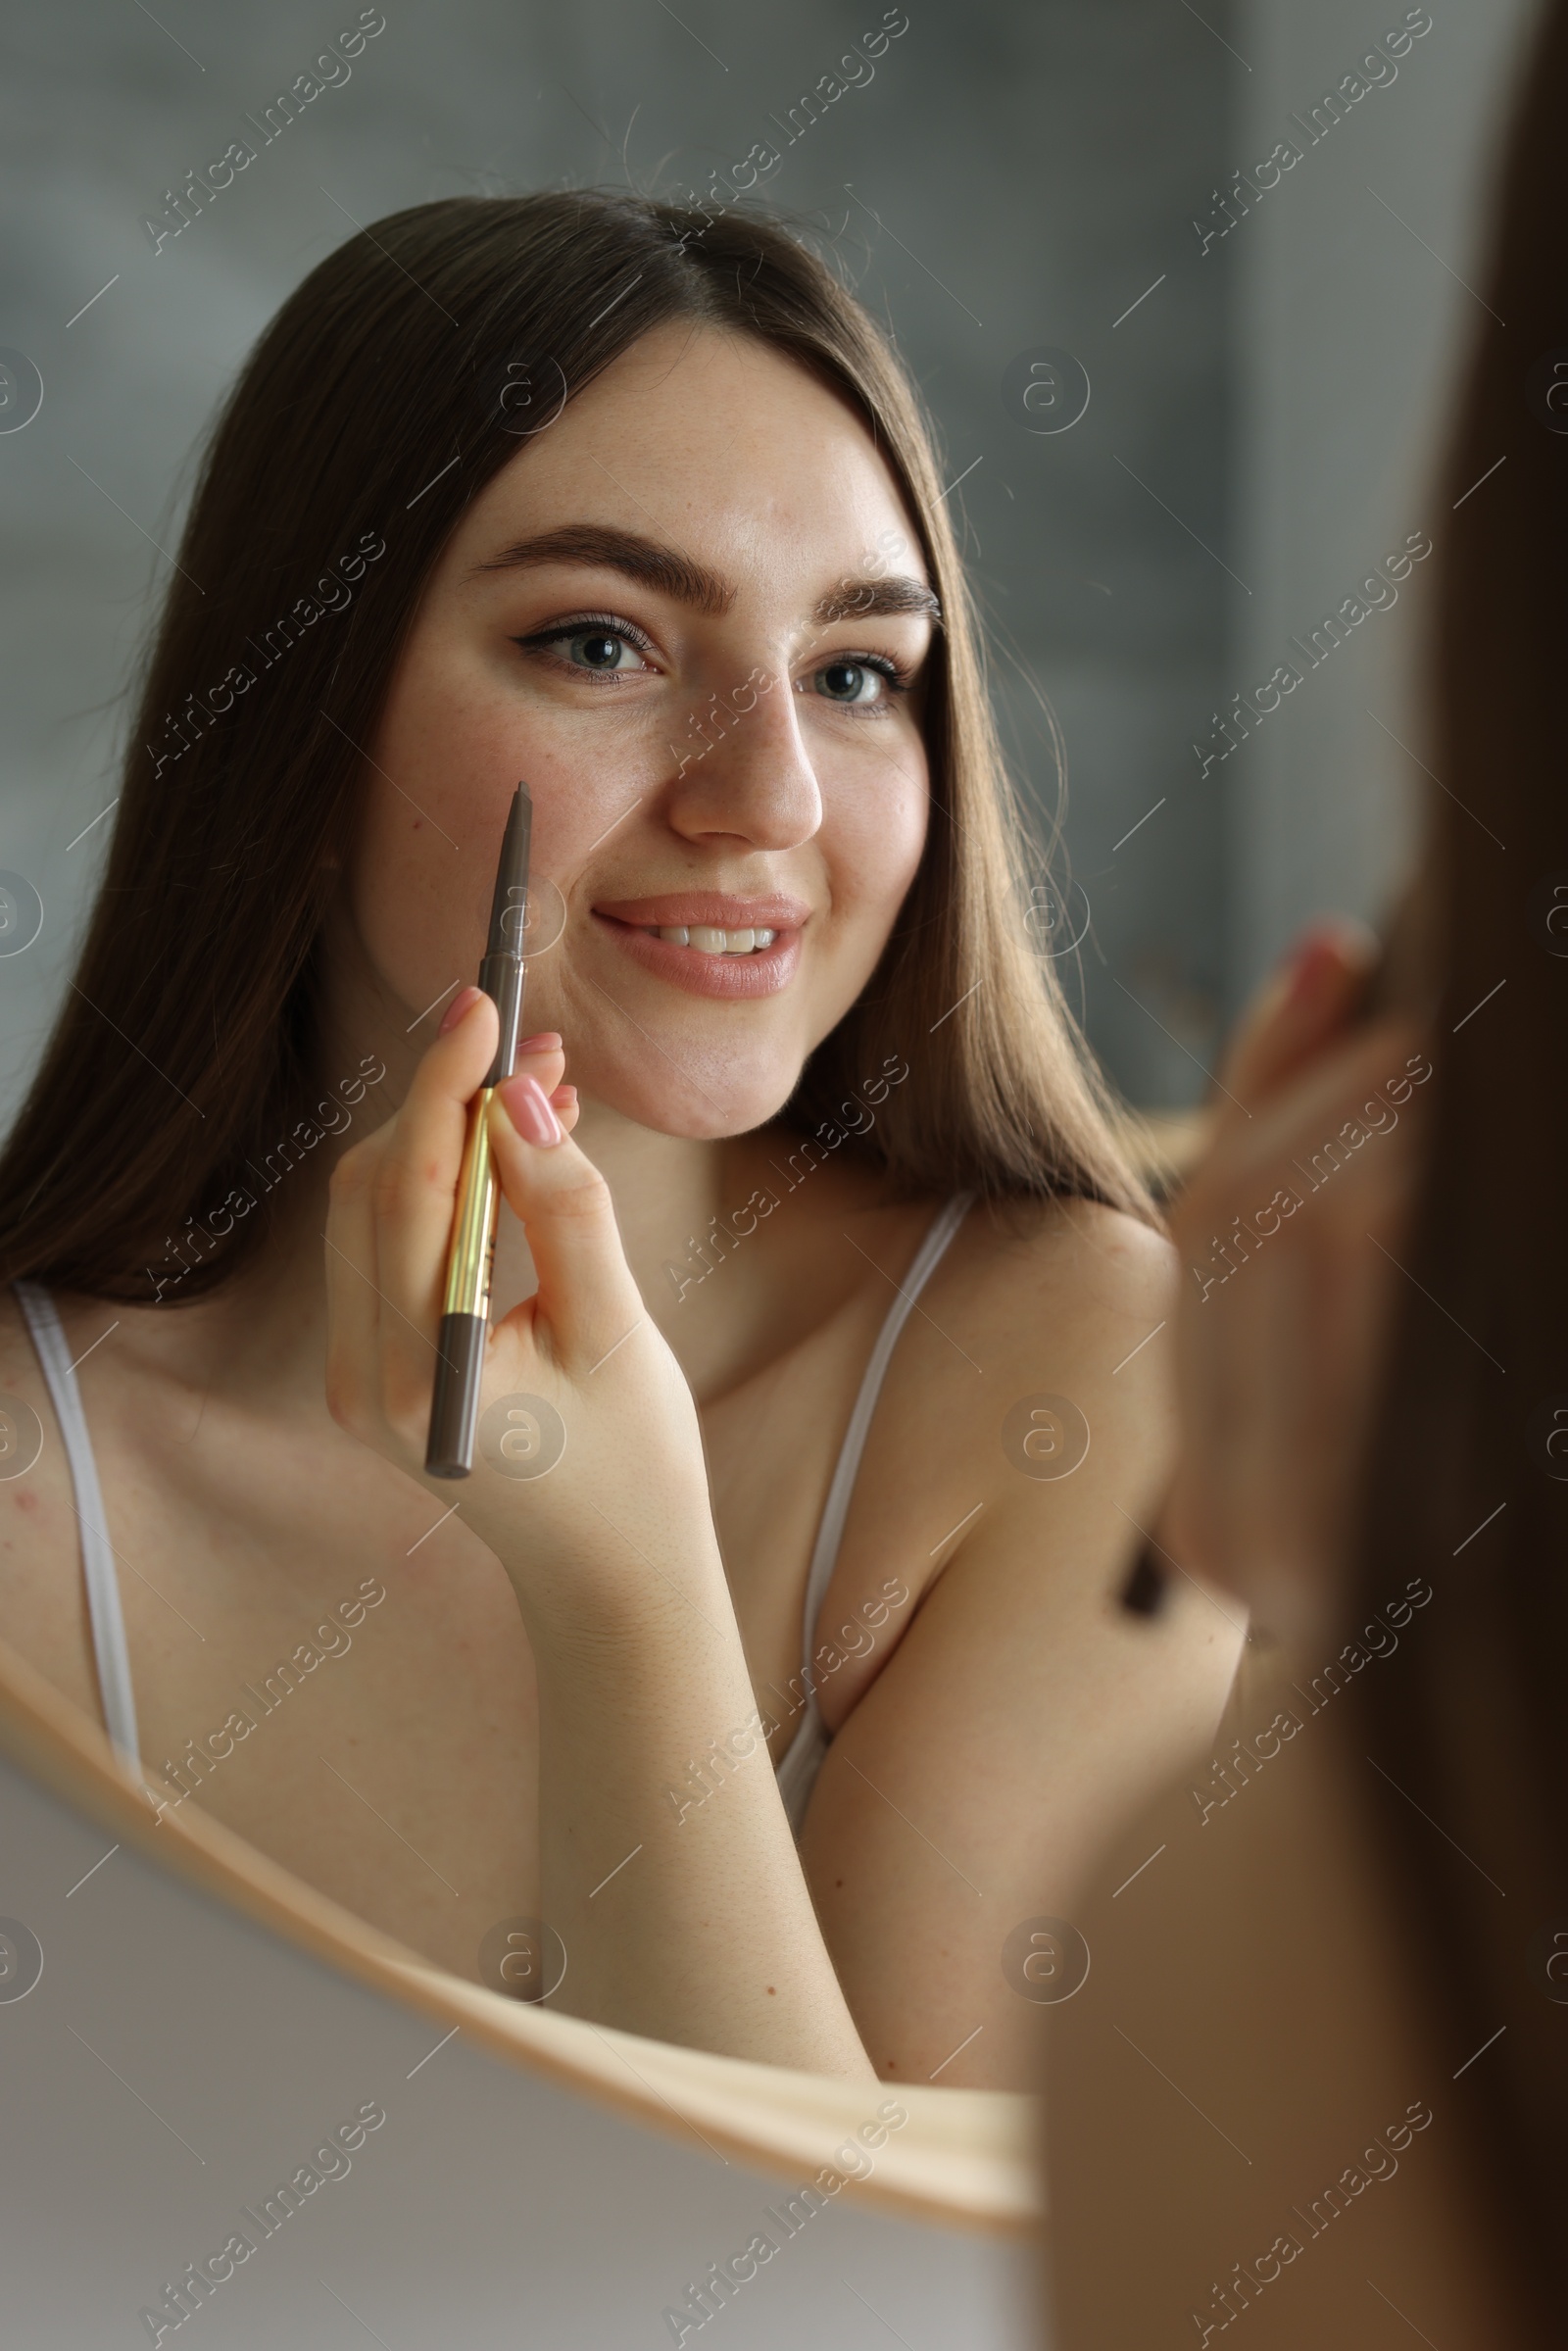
column 1289, row 1229
column 602, row 1403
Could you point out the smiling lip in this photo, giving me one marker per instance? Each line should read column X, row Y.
column 634, row 924
column 707, row 907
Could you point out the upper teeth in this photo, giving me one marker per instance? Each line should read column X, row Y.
column 713, row 942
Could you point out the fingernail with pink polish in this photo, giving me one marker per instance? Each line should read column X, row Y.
column 548, row 1040
column 460, row 1003
column 528, row 1108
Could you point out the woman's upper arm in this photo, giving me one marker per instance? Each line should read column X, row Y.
column 1025, row 1714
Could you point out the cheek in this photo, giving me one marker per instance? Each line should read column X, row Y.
column 431, row 793
column 449, row 751
column 408, row 896
column 466, row 720
column 874, row 824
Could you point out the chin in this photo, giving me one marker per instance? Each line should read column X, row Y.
column 707, row 1108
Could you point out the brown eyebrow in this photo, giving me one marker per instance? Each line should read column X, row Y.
column 864, row 599
column 675, row 575
column 636, row 558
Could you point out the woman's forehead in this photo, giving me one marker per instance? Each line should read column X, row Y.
column 715, row 446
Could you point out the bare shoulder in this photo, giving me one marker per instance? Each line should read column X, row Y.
column 1067, row 1420
column 1064, row 1280
column 1032, row 1403
column 42, row 1612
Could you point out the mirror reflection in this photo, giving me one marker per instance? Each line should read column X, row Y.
column 762, row 1685
column 733, row 1692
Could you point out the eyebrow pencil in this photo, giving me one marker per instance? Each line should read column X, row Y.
column 470, row 1252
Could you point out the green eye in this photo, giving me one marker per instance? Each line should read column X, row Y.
column 596, row 643
column 854, row 681
column 596, row 649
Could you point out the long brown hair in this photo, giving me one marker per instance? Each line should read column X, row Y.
column 386, row 393
column 1464, row 1485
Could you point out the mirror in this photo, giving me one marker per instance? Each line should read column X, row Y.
column 326, row 1662
column 366, row 2143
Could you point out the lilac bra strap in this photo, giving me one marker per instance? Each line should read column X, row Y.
column 800, row 1761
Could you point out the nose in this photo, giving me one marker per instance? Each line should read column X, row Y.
column 744, row 772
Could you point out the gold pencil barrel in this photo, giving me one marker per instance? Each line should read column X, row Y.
column 465, row 1319
column 474, row 1229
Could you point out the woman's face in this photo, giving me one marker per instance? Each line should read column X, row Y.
column 691, row 615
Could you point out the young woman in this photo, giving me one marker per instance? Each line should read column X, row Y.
column 1320, row 2074
column 636, row 505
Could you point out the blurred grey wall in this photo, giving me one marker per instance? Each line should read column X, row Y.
column 1020, row 175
